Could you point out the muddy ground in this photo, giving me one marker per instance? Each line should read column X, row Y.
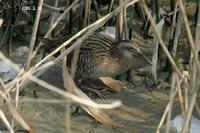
column 141, row 110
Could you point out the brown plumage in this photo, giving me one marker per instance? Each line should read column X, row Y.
column 102, row 56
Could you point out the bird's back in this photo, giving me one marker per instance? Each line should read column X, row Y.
column 92, row 53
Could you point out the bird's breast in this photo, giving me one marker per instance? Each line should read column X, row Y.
column 111, row 67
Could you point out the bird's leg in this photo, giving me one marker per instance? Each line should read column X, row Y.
column 76, row 112
column 93, row 93
column 129, row 77
column 90, row 93
column 35, row 92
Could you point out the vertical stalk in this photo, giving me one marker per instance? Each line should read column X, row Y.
column 34, row 33
column 195, row 73
column 77, row 50
column 120, row 23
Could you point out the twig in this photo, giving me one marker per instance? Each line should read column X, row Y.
column 120, row 23
column 195, row 67
column 55, row 8
column 73, row 97
column 42, row 100
column 33, row 37
column 161, row 42
column 163, row 118
column 53, row 13
column 54, row 25
column 5, row 120
column 189, row 113
column 10, row 40
column 16, row 104
column 96, row 8
column 168, row 109
column 173, row 92
column 126, row 37
column 181, row 99
column 68, row 102
column 197, row 109
column 5, row 34
column 1, row 22
column 74, row 61
column 15, row 114
column 173, row 29
column 189, row 34
column 60, row 18
column 110, row 6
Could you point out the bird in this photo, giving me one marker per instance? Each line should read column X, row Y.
column 100, row 57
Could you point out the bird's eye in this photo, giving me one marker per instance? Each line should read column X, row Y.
column 130, row 48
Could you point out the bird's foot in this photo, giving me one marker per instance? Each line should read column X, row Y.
column 76, row 112
column 159, row 84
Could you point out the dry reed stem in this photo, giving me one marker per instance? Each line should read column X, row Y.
column 160, row 38
column 53, row 13
column 126, row 37
column 120, row 23
column 168, row 108
column 197, row 34
column 53, row 8
column 177, row 34
column 98, row 114
column 173, row 92
column 114, row 104
column 55, row 101
column 19, row 119
column 68, row 116
column 34, row 33
column 197, row 109
column 42, row 100
column 8, row 99
column 10, row 41
column 174, row 29
column 176, row 69
column 14, row 113
column 110, row 6
column 75, row 98
column 189, row 34
column 186, row 98
column 3, row 93
column 5, row 34
column 54, row 25
column 68, row 102
column 96, row 8
column 77, row 49
column 1, row 22
column 5, row 120
column 189, row 113
column 74, row 61
column 181, row 100
column 25, row 83
column 16, row 103
column 60, row 18
column 163, row 118
column 195, row 69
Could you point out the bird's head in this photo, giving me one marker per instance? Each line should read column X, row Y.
column 126, row 49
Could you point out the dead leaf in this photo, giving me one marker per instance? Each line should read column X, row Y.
column 113, row 85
